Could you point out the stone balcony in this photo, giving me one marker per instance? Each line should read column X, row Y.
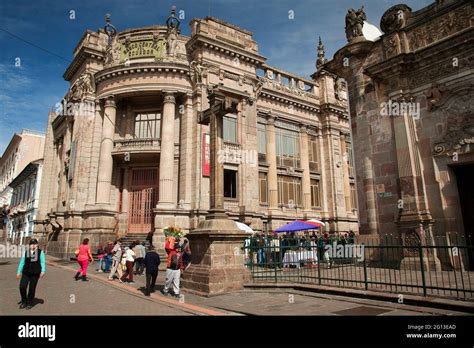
column 139, row 146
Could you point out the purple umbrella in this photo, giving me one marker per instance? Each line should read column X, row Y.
column 299, row 225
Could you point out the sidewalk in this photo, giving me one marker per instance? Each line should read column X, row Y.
column 262, row 301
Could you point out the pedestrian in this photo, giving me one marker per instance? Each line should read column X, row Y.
column 129, row 260
column 108, row 255
column 186, row 254
column 116, row 260
column 175, row 266
column 100, row 257
column 32, row 267
column 84, row 255
column 149, row 238
column 151, row 261
column 140, row 252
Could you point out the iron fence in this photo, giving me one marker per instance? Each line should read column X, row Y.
column 439, row 267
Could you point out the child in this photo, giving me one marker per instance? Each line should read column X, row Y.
column 100, row 257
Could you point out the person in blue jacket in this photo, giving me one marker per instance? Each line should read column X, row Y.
column 32, row 267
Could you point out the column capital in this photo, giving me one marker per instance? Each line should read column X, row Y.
column 303, row 128
column 110, row 102
column 270, row 119
column 169, row 97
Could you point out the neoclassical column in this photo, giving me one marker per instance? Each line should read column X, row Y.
column 345, row 170
column 304, row 156
column 167, row 152
column 272, row 177
column 106, row 146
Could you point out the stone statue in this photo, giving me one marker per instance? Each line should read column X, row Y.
column 171, row 41
column 339, row 87
column 196, row 72
column 84, row 85
column 355, row 23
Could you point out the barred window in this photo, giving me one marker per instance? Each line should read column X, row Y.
column 313, row 154
column 289, row 190
column 315, row 194
column 147, row 125
column 263, row 187
column 350, row 159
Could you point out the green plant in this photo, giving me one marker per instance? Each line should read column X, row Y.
column 172, row 231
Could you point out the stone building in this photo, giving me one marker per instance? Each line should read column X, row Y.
column 411, row 98
column 24, row 148
column 24, row 203
column 127, row 153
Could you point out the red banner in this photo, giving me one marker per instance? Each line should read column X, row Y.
column 206, row 148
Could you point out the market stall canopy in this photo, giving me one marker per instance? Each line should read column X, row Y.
column 244, row 227
column 300, row 225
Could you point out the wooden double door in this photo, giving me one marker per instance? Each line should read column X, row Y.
column 143, row 197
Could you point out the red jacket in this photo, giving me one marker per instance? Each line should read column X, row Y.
column 175, row 260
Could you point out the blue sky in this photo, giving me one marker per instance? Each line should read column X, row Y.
column 29, row 91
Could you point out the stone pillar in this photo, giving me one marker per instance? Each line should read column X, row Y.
column 304, row 158
column 186, row 153
column 167, row 153
column 125, row 188
column 272, row 177
column 105, row 158
column 345, row 175
column 217, row 263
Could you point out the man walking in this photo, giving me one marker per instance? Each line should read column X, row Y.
column 32, row 267
column 116, row 260
column 139, row 259
column 108, row 255
column 129, row 260
column 151, row 261
column 173, row 272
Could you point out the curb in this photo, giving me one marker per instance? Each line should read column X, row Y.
column 186, row 307
column 410, row 300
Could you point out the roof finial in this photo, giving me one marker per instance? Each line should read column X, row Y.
column 109, row 28
column 321, row 55
column 173, row 22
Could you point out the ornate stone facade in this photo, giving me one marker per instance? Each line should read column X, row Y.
column 411, row 163
column 137, row 146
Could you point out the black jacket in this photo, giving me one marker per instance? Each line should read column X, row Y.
column 152, row 261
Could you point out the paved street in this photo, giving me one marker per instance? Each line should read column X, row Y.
column 58, row 293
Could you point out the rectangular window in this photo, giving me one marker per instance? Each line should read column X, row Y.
column 353, row 196
column 230, row 183
column 147, row 126
column 289, row 190
column 230, row 128
column 315, row 194
column 287, row 147
column 263, row 187
column 350, row 159
column 313, row 154
column 262, row 142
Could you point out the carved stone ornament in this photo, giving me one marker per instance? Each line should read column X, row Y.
column 339, row 89
column 196, row 72
column 442, row 27
column 394, row 18
column 84, row 85
column 459, row 135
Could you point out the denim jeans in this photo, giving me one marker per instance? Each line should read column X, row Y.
column 108, row 261
column 99, row 266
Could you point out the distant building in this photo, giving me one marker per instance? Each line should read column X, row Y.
column 24, row 148
column 24, row 203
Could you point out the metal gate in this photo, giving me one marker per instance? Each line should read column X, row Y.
column 143, row 197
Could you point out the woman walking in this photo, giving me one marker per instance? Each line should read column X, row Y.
column 83, row 254
column 32, row 267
